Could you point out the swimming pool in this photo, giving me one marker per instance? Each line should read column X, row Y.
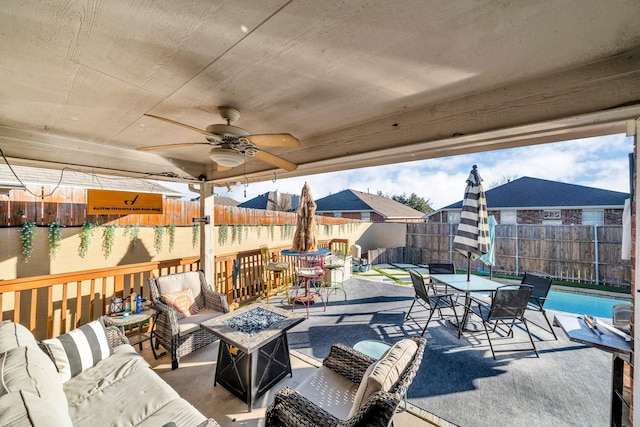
column 571, row 302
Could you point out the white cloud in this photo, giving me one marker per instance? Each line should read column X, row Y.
column 600, row 162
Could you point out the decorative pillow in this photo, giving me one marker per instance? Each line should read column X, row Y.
column 183, row 302
column 79, row 349
column 383, row 374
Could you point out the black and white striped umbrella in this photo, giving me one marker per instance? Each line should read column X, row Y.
column 472, row 236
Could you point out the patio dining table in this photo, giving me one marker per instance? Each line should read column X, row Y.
column 460, row 283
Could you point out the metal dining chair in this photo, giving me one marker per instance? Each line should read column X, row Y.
column 541, row 286
column 508, row 305
column 430, row 302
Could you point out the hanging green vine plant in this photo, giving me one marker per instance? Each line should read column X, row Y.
column 85, row 237
column 55, row 236
column 132, row 231
column 240, row 232
column 259, row 231
column 108, row 238
column 272, row 231
column 234, row 234
column 26, row 236
column 158, row 233
column 171, row 228
column 195, row 235
column 223, row 234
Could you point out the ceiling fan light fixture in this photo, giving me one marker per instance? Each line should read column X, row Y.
column 226, row 157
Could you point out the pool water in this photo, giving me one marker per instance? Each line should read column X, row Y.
column 595, row 305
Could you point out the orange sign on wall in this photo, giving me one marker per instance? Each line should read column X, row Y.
column 107, row 202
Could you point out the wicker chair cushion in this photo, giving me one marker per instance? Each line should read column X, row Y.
column 176, row 282
column 191, row 324
column 330, row 391
column 384, row 373
column 182, row 301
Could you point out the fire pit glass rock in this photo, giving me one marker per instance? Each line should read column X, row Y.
column 254, row 321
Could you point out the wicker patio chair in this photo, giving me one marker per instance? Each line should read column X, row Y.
column 181, row 336
column 541, row 286
column 330, row 397
column 430, row 302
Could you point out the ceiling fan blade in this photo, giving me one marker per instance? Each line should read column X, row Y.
column 275, row 160
column 162, row 147
column 274, row 140
column 204, row 132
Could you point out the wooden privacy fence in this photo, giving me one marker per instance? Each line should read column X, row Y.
column 51, row 305
column 68, row 208
column 580, row 253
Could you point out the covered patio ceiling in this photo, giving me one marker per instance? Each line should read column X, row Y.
column 359, row 83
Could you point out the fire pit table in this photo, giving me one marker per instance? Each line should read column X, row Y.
column 254, row 351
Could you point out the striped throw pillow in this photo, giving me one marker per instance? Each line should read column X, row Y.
column 79, row 349
column 183, row 302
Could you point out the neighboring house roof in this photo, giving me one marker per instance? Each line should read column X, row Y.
column 71, row 178
column 224, row 201
column 273, row 201
column 357, row 201
column 532, row 193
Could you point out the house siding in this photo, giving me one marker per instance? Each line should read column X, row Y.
column 569, row 216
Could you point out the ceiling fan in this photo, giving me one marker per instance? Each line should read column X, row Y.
column 231, row 144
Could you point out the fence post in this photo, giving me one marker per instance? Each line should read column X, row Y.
column 597, row 260
column 517, row 258
column 450, row 242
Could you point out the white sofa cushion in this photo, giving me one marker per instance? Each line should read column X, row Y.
column 123, row 362
column 13, row 335
column 79, row 349
column 30, row 370
column 22, row 408
column 384, row 373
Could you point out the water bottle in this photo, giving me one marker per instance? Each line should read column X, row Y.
column 134, row 303
column 138, row 303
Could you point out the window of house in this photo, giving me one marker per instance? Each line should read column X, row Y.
column 365, row 216
column 508, row 217
column 593, row 217
column 552, row 215
column 337, row 214
column 453, row 217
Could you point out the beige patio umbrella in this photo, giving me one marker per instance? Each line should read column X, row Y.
column 304, row 239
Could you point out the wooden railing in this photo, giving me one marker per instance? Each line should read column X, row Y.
column 53, row 304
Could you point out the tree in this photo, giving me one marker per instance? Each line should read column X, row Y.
column 415, row 202
column 505, row 179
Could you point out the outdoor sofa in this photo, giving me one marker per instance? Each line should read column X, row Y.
column 90, row 376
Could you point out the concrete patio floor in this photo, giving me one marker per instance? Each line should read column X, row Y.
column 458, row 383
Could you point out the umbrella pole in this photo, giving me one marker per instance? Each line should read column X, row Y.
column 468, row 266
column 491, row 272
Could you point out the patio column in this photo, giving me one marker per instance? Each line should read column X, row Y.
column 207, row 251
column 633, row 128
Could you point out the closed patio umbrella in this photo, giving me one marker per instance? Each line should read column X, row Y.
column 472, row 235
column 304, row 239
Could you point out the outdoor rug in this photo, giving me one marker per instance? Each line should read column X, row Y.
column 459, row 381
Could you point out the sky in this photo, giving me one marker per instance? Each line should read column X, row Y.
column 600, row 162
